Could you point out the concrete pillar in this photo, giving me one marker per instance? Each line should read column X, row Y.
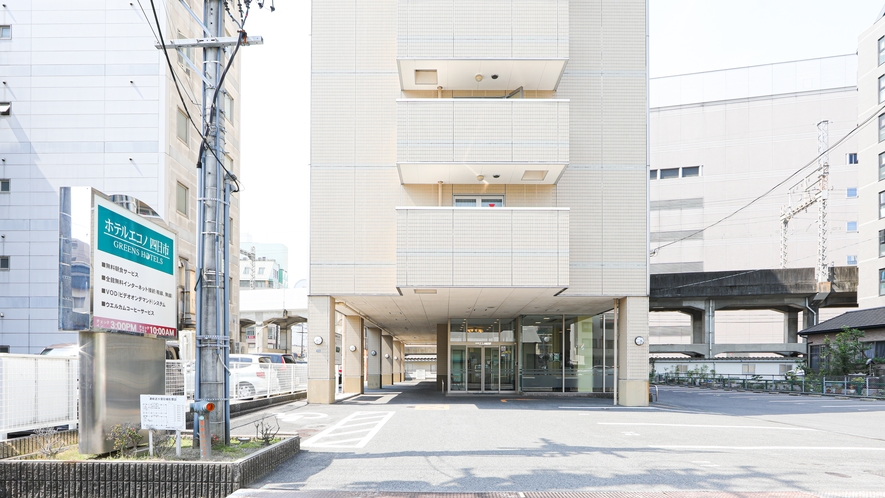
column 698, row 336
column 398, row 363
column 321, row 381
column 631, row 314
column 710, row 325
column 442, row 356
column 386, row 360
column 791, row 326
column 373, row 369
column 352, row 355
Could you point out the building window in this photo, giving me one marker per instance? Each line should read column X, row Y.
column 181, row 128
column 881, row 50
column 881, row 243
column 691, row 171
column 672, row 172
column 479, row 201
column 181, row 198
column 852, row 260
column 851, row 192
column 881, row 89
column 881, row 205
column 5, row 32
column 882, row 127
column 261, row 271
column 748, row 369
column 852, row 226
column 183, row 53
column 4, row 185
column 228, row 107
column 653, row 174
column 852, row 158
column 228, row 163
column 814, row 357
column 881, row 282
column 4, row 263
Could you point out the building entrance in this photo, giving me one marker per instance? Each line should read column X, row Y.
column 487, row 369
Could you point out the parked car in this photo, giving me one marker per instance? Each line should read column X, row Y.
column 250, row 375
column 66, row 349
column 285, row 358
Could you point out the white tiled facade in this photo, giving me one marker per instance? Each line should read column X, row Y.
column 870, row 71
column 746, row 130
column 93, row 105
column 382, row 227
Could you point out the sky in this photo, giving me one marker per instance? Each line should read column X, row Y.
column 685, row 36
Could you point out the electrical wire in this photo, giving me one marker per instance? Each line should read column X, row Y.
column 204, row 145
column 778, row 185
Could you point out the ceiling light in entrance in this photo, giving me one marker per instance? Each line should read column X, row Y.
column 534, row 175
column 425, row 291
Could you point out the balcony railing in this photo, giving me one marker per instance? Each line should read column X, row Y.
column 482, row 247
column 455, row 140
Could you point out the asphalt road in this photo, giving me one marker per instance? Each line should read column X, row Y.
column 408, row 438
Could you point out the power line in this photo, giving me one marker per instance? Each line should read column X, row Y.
column 776, row 186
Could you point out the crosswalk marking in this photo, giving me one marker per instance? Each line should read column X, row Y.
column 370, row 423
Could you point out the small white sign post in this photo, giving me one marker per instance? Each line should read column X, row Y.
column 164, row 413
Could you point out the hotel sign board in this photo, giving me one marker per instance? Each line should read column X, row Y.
column 116, row 268
column 133, row 272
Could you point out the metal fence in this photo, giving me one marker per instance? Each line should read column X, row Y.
column 37, row 391
column 251, row 381
column 849, row 385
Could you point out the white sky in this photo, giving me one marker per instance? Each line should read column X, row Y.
column 685, row 36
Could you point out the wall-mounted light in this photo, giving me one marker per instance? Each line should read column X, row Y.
column 317, row 340
column 386, row 356
column 480, row 178
column 395, row 358
column 478, row 78
column 373, row 352
column 352, row 348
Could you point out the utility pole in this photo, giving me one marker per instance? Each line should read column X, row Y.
column 214, row 189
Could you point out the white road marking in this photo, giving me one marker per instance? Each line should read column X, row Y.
column 790, row 448
column 330, row 438
column 610, row 408
column 754, row 427
column 630, row 433
column 292, row 417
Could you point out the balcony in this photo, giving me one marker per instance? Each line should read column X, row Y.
column 488, row 45
column 482, row 247
column 465, row 141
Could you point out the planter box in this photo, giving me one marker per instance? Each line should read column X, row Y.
column 125, row 479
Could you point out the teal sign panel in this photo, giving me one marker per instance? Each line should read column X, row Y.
column 127, row 239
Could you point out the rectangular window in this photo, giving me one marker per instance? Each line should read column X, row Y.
column 851, row 227
column 881, row 89
column 5, row 32
column 228, row 163
column 881, row 243
column 814, row 357
column 181, row 128
column 479, row 201
column 881, row 50
column 674, row 172
column 852, row 158
column 185, row 53
column 4, row 185
column 691, row 171
column 784, row 368
column 882, row 127
column 261, row 271
column 181, row 198
column 748, row 369
column 881, row 280
column 881, row 205
column 228, row 107
column 653, row 174
column 882, row 166
column 851, row 192
column 4, row 263
column 852, row 260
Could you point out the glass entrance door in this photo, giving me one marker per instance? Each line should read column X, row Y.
column 474, row 369
column 491, row 365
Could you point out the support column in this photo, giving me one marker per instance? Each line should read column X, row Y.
column 698, row 335
column 373, row 369
column 386, row 360
column 321, row 381
column 710, row 325
column 442, row 356
column 632, row 317
column 791, row 326
column 399, row 373
column 352, row 355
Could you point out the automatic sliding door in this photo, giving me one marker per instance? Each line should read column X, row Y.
column 474, row 369
column 492, row 375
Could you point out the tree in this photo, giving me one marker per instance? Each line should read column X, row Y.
column 844, row 354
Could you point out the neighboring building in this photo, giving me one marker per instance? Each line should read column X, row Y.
column 871, row 321
column 88, row 100
column 871, row 176
column 262, row 274
column 479, row 182
column 722, row 139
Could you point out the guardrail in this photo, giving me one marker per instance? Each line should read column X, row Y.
column 849, row 385
column 261, row 380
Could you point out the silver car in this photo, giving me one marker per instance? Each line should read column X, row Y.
column 251, row 375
